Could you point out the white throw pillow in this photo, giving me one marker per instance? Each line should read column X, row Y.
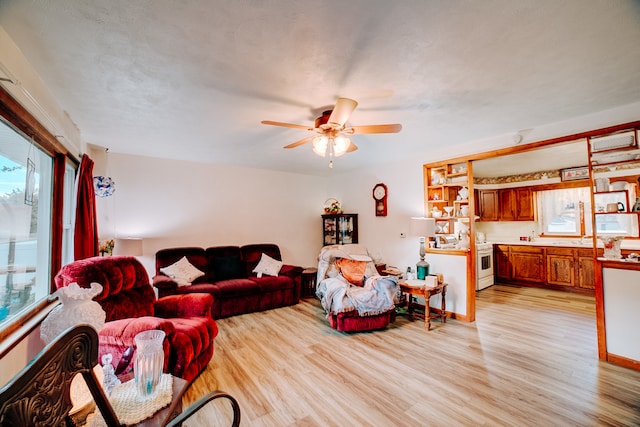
column 182, row 272
column 268, row 266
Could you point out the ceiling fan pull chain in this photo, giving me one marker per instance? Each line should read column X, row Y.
column 331, row 143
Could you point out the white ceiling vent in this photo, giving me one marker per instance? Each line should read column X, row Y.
column 618, row 141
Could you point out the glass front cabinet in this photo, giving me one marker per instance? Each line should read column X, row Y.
column 339, row 229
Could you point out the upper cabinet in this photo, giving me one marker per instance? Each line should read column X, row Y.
column 516, row 204
column 509, row 204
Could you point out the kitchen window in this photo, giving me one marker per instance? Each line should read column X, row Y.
column 564, row 211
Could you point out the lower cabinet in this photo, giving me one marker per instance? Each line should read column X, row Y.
column 586, row 268
column 502, row 264
column 560, row 266
column 527, row 263
column 555, row 267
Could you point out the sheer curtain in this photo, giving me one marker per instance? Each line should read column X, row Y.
column 86, row 224
column 559, row 211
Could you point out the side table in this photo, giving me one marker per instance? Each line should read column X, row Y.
column 416, row 288
column 308, row 282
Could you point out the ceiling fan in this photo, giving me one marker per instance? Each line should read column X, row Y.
column 331, row 130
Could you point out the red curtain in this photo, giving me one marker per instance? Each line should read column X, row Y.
column 85, row 238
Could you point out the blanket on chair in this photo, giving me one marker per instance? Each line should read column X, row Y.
column 378, row 295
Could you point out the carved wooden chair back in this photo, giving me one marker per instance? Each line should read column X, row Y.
column 40, row 395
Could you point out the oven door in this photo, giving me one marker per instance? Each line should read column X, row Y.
column 484, row 274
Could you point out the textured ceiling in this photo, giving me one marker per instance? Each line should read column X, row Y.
column 192, row 80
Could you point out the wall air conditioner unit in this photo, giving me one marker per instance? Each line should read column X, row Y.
column 625, row 140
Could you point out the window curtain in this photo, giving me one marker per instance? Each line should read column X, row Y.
column 85, row 239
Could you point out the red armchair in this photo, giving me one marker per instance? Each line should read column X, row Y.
column 131, row 307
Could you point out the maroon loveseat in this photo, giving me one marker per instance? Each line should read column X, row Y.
column 229, row 277
column 130, row 305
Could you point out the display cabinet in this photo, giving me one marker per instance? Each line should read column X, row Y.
column 339, row 229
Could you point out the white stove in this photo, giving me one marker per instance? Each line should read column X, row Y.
column 484, row 265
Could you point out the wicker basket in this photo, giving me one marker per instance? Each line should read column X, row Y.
column 332, row 206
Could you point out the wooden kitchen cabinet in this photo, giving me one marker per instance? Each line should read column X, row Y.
column 527, row 263
column 488, row 205
column 501, row 263
column 586, row 268
column 516, row 204
column 560, row 266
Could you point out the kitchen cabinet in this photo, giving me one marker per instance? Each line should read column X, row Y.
column 586, row 268
column 339, row 229
column 560, row 266
column 508, row 204
column 527, row 263
column 516, row 204
column 488, row 205
column 501, row 260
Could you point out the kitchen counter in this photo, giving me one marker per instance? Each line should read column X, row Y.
column 568, row 243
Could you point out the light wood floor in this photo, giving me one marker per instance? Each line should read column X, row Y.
column 530, row 359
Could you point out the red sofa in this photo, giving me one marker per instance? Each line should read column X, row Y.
column 130, row 304
column 229, row 278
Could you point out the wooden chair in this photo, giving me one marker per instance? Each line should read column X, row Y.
column 40, row 394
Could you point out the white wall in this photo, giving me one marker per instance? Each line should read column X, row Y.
column 172, row 203
column 381, row 235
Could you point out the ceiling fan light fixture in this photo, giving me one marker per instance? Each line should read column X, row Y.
column 340, row 145
column 320, row 145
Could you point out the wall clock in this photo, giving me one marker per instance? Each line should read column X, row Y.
column 380, row 196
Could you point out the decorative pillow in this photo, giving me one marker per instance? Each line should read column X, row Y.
column 228, row 267
column 182, row 272
column 352, row 270
column 268, row 266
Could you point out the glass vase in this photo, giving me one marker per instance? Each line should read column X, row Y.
column 149, row 361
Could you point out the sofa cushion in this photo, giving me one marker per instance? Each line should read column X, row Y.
column 268, row 266
column 196, row 256
column 273, row 283
column 251, row 254
column 182, row 271
column 236, row 288
column 228, row 267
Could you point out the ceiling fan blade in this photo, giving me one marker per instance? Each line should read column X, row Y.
column 352, row 147
column 395, row 128
column 287, row 125
column 342, row 111
column 299, row 143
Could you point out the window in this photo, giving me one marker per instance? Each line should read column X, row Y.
column 563, row 211
column 68, row 213
column 26, row 195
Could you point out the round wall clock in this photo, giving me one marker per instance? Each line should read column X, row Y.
column 380, row 196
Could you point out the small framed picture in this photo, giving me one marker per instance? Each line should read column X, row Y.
column 573, row 174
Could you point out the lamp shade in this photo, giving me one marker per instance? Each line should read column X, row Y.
column 131, row 247
column 423, row 227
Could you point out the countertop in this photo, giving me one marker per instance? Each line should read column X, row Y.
column 570, row 243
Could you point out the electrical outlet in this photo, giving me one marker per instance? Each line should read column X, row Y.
column 403, row 235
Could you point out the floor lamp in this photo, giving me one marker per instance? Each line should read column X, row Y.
column 423, row 228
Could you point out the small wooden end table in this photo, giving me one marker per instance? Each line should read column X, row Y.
column 308, row 282
column 416, row 288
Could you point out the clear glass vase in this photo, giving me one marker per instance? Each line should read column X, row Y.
column 149, row 361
